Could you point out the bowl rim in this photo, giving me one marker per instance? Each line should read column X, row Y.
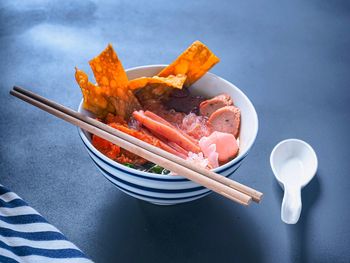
column 171, row 177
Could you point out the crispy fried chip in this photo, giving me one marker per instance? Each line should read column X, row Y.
column 109, row 73
column 94, row 97
column 150, row 88
column 111, row 94
column 194, row 62
column 147, row 88
column 124, row 107
column 170, row 81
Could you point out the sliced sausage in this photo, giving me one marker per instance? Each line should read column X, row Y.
column 226, row 119
column 207, row 107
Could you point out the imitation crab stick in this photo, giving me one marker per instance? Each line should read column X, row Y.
column 163, row 144
column 178, row 148
column 169, row 133
column 173, row 145
column 181, row 152
column 172, row 150
column 157, row 118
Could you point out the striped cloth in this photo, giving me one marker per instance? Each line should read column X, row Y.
column 25, row 236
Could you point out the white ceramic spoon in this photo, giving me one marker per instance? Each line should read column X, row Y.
column 294, row 164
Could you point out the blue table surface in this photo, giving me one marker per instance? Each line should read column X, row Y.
column 290, row 57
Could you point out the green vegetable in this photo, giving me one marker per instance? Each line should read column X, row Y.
column 157, row 170
column 129, row 165
column 148, row 167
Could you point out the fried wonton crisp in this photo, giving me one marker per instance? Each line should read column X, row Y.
column 95, row 100
column 156, row 87
column 194, row 62
column 112, row 92
column 109, row 72
column 169, row 81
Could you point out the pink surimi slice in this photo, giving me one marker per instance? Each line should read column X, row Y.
column 213, row 156
column 225, row 143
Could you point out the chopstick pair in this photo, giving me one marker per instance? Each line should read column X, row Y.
column 228, row 188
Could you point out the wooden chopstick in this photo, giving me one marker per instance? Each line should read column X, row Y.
column 207, row 182
column 256, row 195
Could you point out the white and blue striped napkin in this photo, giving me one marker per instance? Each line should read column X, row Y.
column 25, row 236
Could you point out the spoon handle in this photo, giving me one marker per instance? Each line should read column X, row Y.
column 291, row 205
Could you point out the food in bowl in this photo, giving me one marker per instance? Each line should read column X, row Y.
column 167, row 189
column 161, row 110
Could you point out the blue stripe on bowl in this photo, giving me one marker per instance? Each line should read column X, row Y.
column 134, row 174
column 159, row 179
column 152, row 189
column 230, row 167
column 156, row 198
column 149, row 197
column 149, row 189
column 142, row 196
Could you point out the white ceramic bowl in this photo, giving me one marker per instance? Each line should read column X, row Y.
column 170, row 189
